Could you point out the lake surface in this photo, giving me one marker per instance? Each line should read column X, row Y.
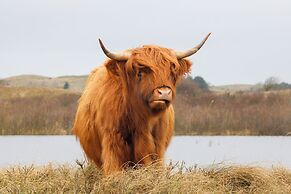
column 193, row 150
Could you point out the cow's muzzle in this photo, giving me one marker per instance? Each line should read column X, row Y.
column 161, row 98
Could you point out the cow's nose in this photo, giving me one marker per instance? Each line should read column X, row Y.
column 164, row 94
column 164, row 91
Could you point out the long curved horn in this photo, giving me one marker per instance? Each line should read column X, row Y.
column 122, row 56
column 183, row 54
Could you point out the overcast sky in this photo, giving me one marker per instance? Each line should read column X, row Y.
column 251, row 39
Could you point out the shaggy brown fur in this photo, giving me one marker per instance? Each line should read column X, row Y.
column 114, row 122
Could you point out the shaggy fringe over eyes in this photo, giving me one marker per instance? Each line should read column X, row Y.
column 152, row 57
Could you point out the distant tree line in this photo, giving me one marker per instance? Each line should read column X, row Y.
column 192, row 86
column 272, row 83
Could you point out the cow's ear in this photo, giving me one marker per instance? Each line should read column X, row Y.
column 185, row 67
column 113, row 67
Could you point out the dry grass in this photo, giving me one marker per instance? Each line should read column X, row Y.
column 242, row 113
column 153, row 179
column 36, row 111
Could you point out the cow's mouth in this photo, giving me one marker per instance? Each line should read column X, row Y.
column 164, row 101
column 159, row 105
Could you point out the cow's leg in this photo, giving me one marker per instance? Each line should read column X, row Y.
column 115, row 152
column 144, row 148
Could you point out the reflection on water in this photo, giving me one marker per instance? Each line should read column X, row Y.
column 200, row 150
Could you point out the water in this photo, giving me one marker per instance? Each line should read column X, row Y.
column 193, row 150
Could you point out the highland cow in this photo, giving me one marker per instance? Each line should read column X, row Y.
column 125, row 113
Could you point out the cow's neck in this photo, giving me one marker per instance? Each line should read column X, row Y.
column 136, row 117
column 137, row 120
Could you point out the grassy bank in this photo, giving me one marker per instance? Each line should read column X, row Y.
column 153, row 179
column 33, row 111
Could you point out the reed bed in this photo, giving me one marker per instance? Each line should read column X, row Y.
column 40, row 111
column 37, row 111
column 241, row 113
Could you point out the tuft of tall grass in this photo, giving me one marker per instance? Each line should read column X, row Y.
column 151, row 179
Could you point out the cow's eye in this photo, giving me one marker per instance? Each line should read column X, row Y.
column 139, row 74
column 142, row 70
